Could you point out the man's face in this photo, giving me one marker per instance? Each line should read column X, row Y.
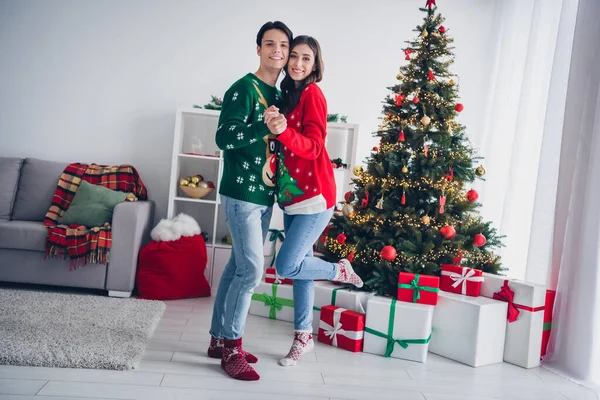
column 274, row 50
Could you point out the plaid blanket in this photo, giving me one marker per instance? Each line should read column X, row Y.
column 81, row 244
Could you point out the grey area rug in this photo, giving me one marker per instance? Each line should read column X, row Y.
column 49, row 329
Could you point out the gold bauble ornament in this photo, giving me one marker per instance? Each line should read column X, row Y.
column 425, row 33
column 348, row 210
column 404, row 169
column 188, row 178
column 480, row 171
column 425, row 219
column 399, row 77
column 195, row 180
column 192, row 185
column 357, row 170
column 183, row 182
column 425, row 120
column 451, row 81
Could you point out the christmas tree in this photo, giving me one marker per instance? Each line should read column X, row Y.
column 288, row 186
column 411, row 209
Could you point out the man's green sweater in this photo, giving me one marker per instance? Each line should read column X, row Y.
column 242, row 135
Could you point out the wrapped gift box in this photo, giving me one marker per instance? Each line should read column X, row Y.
column 420, row 289
column 525, row 317
column 398, row 329
column 273, row 301
column 327, row 293
column 470, row 330
column 272, row 277
column 547, row 327
column 275, row 238
column 461, row 280
column 342, row 328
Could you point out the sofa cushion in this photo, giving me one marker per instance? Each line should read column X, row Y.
column 23, row 235
column 92, row 205
column 37, row 185
column 9, row 181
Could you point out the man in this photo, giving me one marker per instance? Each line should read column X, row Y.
column 247, row 195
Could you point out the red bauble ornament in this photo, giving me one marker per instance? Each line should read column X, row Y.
column 442, row 29
column 448, row 232
column 348, row 196
column 341, row 238
column 323, row 239
column 401, row 137
column 375, row 148
column 211, row 185
column 388, row 253
column 399, row 99
column 459, row 107
column 389, row 115
column 350, row 257
column 479, row 240
column 472, row 195
column 416, row 100
column 430, row 75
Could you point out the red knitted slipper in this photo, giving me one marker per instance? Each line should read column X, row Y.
column 215, row 350
column 234, row 363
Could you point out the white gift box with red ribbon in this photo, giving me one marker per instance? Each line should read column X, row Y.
column 271, row 276
column 525, row 317
column 470, row 330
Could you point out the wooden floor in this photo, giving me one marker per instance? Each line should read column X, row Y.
column 175, row 367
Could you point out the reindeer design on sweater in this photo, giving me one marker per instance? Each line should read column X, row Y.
column 270, row 166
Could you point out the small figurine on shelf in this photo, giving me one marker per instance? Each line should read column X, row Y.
column 226, row 239
column 336, row 118
column 337, row 163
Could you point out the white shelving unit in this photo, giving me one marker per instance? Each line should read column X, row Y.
column 193, row 125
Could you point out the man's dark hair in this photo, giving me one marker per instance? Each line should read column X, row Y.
column 273, row 25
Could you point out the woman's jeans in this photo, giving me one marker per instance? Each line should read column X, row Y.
column 295, row 260
column 248, row 224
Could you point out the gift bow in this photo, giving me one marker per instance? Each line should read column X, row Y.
column 463, row 278
column 414, row 286
column 276, row 303
column 273, row 237
column 389, row 348
column 332, row 331
column 506, row 294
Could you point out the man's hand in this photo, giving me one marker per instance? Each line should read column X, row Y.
column 277, row 124
column 270, row 113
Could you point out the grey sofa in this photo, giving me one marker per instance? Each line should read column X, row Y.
column 26, row 190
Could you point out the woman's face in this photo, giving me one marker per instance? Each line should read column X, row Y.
column 302, row 62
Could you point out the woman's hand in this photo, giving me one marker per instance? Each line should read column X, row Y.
column 277, row 124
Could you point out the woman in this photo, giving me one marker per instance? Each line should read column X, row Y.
column 306, row 186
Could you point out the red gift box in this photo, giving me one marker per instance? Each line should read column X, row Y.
column 420, row 289
column 272, row 277
column 461, row 280
column 550, row 296
column 342, row 328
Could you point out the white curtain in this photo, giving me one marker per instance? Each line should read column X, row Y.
column 574, row 348
column 533, row 52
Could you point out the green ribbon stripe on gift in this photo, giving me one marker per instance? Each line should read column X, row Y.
column 547, row 326
column 414, row 285
column 389, row 337
column 275, row 234
column 276, row 303
column 333, row 297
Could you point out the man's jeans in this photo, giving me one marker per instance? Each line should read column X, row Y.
column 248, row 224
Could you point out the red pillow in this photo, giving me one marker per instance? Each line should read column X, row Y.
column 170, row 270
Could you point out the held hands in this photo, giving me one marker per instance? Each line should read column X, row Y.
column 275, row 121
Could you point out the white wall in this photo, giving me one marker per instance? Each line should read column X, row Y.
column 99, row 81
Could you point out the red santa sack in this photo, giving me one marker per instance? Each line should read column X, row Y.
column 172, row 266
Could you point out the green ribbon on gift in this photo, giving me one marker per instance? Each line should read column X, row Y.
column 547, row 326
column 333, row 297
column 414, row 286
column 276, row 303
column 275, row 234
column 389, row 337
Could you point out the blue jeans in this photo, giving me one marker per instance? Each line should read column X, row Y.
column 295, row 260
column 248, row 224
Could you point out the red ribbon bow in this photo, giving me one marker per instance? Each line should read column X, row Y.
column 430, row 4
column 407, row 54
column 506, row 294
